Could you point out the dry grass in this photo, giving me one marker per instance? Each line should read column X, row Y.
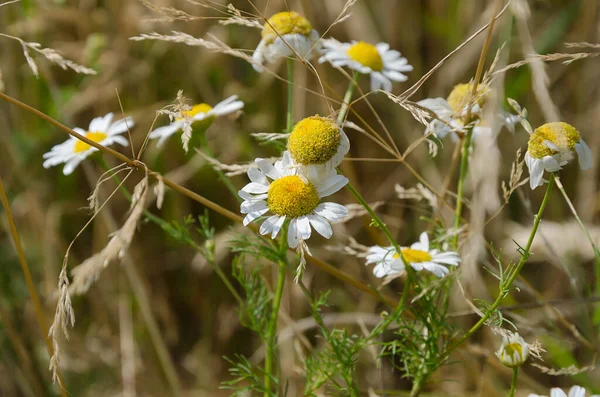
column 165, row 328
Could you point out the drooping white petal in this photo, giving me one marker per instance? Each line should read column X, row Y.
column 331, row 211
column 331, row 185
column 277, row 226
column 293, row 236
column 586, row 160
column 303, row 225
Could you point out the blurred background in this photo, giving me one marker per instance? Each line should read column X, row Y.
column 161, row 322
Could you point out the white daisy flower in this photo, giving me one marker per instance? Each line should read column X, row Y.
column 282, row 31
column 318, row 145
column 576, row 391
column 384, row 65
column 73, row 151
column 550, row 147
column 451, row 112
column 201, row 113
column 513, row 351
column 293, row 197
column 419, row 256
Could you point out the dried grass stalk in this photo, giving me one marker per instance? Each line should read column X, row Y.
column 89, row 271
column 50, row 54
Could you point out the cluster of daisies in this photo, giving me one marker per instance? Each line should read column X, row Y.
column 288, row 194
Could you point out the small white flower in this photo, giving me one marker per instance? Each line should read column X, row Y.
column 73, row 151
column 576, row 391
column 291, row 196
column 551, row 147
column 318, row 145
column 513, row 351
column 451, row 112
column 198, row 113
column 378, row 61
column 282, row 31
column 419, row 256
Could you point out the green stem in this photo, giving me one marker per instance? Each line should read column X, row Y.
column 416, row 388
column 272, row 325
column 346, row 105
column 226, row 181
column 513, row 383
column 464, row 165
column 290, row 95
column 505, row 287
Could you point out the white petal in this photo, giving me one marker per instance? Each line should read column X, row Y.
column 227, row 108
column 321, row 225
column 267, row 168
column 277, row 226
column 303, row 225
column 253, row 215
column 120, row 126
column 586, row 160
column 166, row 131
column 293, row 236
column 254, row 187
column 101, row 124
column 393, row 75
column 72, row 164
column 257, row 176
column 556, row 392
column 331, row 185
column 267, row 225
column 258, row 57
column 248, row 207
column 331, row 211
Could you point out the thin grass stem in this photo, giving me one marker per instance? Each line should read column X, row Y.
column 29, row 280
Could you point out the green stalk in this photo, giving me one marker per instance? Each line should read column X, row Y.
column 464, row 165
column 513, row 383
column 290, row 95
column 272, row 326
column 347, row 98
column 505, row 288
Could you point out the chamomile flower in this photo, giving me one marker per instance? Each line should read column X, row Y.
column 292, row 197
column 419, row 256
column 201, row 115
column 576, row 391
column 378, row 61
column 318, row 145
column 451, row 112
column 73, row 151
column 550, row 147
column 513, row 351
column 282, row 31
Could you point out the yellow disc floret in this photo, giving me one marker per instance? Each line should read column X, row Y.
column 292, row 196
column 508, row 354
column 461, row 92
column 314, row 140
column 81, row 146
column 285, row 23
column 366, row 54
column 195, row 110
column 414, row 256
column 561, row 135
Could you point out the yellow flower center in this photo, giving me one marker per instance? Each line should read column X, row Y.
column 314, row 140
column 414, row 256
column 285, row 23
column 367, row 55
column 291, row 196
column 461, row 92
column 507, row 356
column 564, row 136
column 196, row 109
column 81, row 146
